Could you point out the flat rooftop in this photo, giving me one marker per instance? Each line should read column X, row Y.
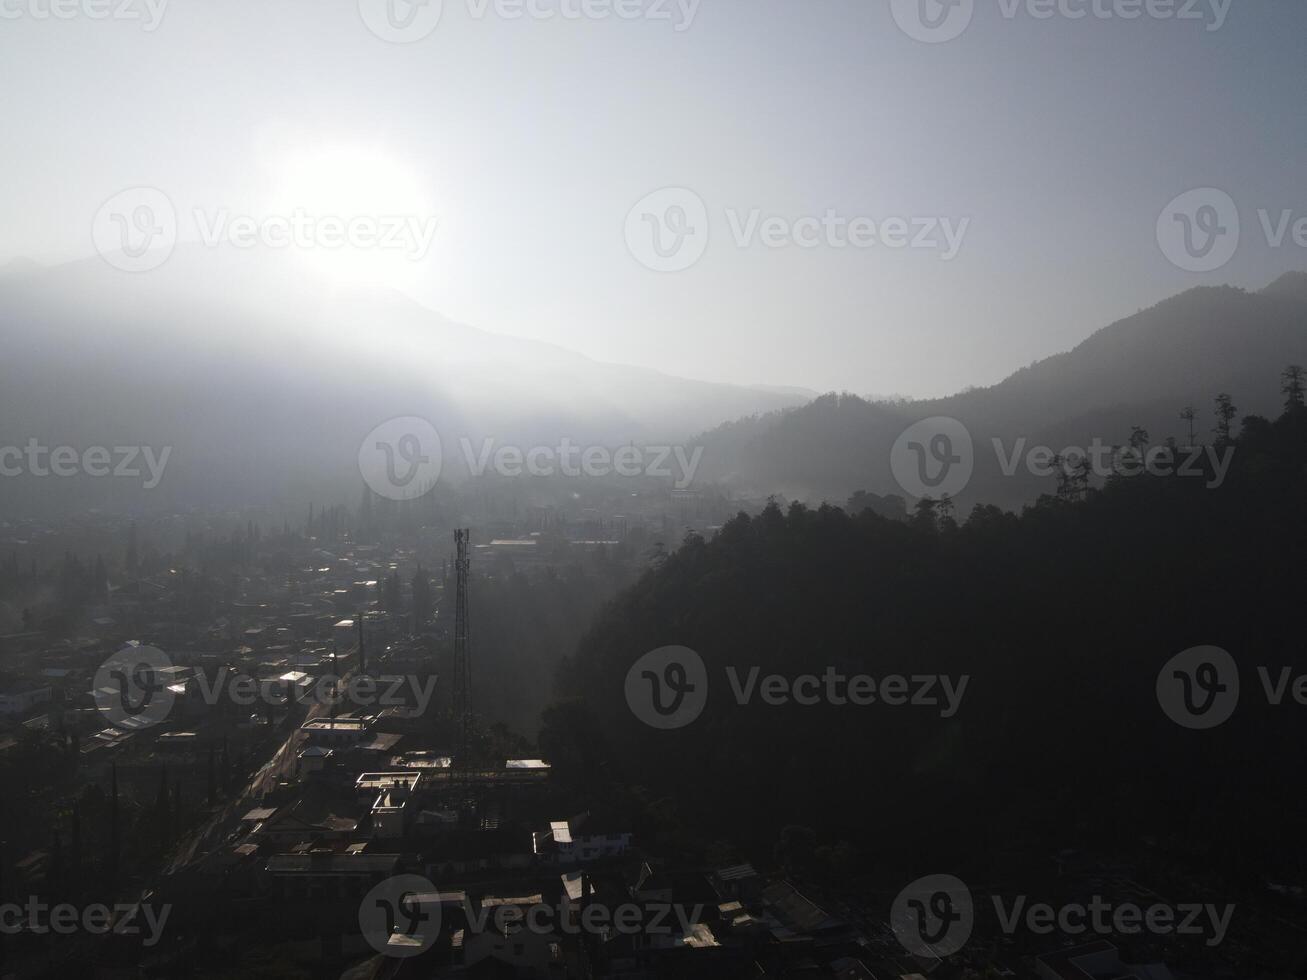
column 334, row 725
column 386, row 780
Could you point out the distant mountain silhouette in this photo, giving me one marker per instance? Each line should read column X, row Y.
column 265, row 379
column 1143, row 370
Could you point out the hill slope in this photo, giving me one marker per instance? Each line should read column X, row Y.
column 1142, row 370
column 265, row 379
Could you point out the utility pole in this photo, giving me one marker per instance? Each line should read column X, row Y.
column 363, row 664
column 1188, row 415
column 462, row 664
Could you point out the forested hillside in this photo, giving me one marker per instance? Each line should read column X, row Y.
column 1061, row 619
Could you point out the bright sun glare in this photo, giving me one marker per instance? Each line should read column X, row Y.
column 363, row 216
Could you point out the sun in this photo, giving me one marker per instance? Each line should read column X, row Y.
column 357, row 214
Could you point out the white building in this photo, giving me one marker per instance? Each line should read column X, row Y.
column 335, row 732
column 565, row 844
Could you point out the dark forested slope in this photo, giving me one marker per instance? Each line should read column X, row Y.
column 1061, row 619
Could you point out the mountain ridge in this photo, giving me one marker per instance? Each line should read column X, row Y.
column 1183, row 350
column 260, row 374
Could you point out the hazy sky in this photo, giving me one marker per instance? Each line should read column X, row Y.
column 1050, row 145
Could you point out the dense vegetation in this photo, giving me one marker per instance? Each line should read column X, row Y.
column 1062, row 616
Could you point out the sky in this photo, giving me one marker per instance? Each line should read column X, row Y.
column 819, row 193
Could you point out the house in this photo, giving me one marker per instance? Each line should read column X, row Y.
column 316, row 815
column 370, row 784
column 391, row 813
column 564, row 843
column 327, row 874
column 506, row 939
column 423, row 761
column 313, row 759
column 739, row 882
column 344, row 635
column 294, row 686
column 335, row 732
column 390, row 799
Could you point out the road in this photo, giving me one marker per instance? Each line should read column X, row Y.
column 215, row 832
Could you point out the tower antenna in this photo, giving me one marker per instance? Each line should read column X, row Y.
column 462, row 661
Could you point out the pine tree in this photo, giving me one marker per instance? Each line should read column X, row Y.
column 1188, row 415
column 1291, row 386
column 947, row 522
column 1225, row 413
column 924, row 514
